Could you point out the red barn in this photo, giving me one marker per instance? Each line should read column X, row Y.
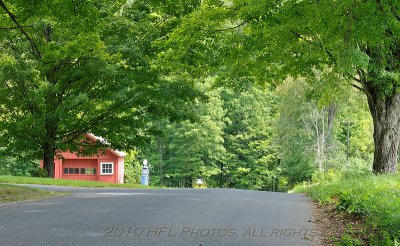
column 105, row 166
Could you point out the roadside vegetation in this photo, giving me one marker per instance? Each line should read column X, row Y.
column 12, row 193
column 245, row 94
column 65, row 182
column 375, row 200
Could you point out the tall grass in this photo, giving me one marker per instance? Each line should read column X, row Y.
column 373, row 198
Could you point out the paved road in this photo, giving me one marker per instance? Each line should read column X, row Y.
column 167, row 217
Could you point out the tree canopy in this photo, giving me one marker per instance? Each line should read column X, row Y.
column 353, row 42
column 243, row 93
column 69, row 68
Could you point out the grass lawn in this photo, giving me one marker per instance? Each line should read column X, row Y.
column 375, row 199
column 65, row 182
column 11, row 193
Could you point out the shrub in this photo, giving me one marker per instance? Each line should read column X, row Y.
column 41, row 173
column 329, row 176
column 348, row 240
column 133, row 172
column 17, row 167
column 357, row 167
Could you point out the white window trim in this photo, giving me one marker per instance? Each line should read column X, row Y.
column 101, row 168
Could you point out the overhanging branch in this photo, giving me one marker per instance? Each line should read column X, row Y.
column 12, row 27
column 397, row 16
column 326, row 50
column 227, row 28
column 34, row 47
column 364, row 84
column 358, row 87
column 98, row 119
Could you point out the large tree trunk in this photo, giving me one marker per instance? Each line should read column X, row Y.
column 51, row 127
column 386, row 118
column 48, row 160
column 49, row 147
column 52, row 120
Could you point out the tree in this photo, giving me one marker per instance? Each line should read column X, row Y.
column 249, row 139
column 357, row 41
column 315, row 146
column 229, row 144
column 188, row 150
column 360, row 40
column 71, row 67
column 297, row 152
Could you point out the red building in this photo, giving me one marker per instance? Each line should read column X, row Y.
column 105, row 166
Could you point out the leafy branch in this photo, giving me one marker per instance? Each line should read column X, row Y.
column 327, row 51
column 225, row 29
column 34, row 47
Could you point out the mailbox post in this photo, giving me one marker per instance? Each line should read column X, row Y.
column 145, row 173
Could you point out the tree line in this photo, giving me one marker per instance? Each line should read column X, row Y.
column 243, row 93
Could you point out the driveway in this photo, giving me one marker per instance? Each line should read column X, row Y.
column 92, row 216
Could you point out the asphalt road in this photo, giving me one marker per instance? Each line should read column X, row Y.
column 166, row 217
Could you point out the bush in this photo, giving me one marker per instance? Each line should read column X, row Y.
column 326, row 177
column 133, row 172
column 5, row 163
column 357, row 167
column 17, row 167
column 40, row 173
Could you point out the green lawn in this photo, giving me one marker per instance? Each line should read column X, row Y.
column 65, row 182
column 373, row 198
column 12, row 193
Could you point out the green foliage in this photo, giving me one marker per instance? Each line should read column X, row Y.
column 331, row 175
column 17, row 166
column 41, row 173
column 230, row 144
column 133, row 169
column 271, row 138
column 384, row 240
column 190, row 149
column 374, row 198
column 244, row 94
column 356, row 167
column 350, row 42
column 297, row 163
column 251, row 154
column 347, row 240
column 88, row 67
column 317, row 126
column 4, row 165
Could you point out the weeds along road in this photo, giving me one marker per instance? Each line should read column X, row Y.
column 160, row 217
